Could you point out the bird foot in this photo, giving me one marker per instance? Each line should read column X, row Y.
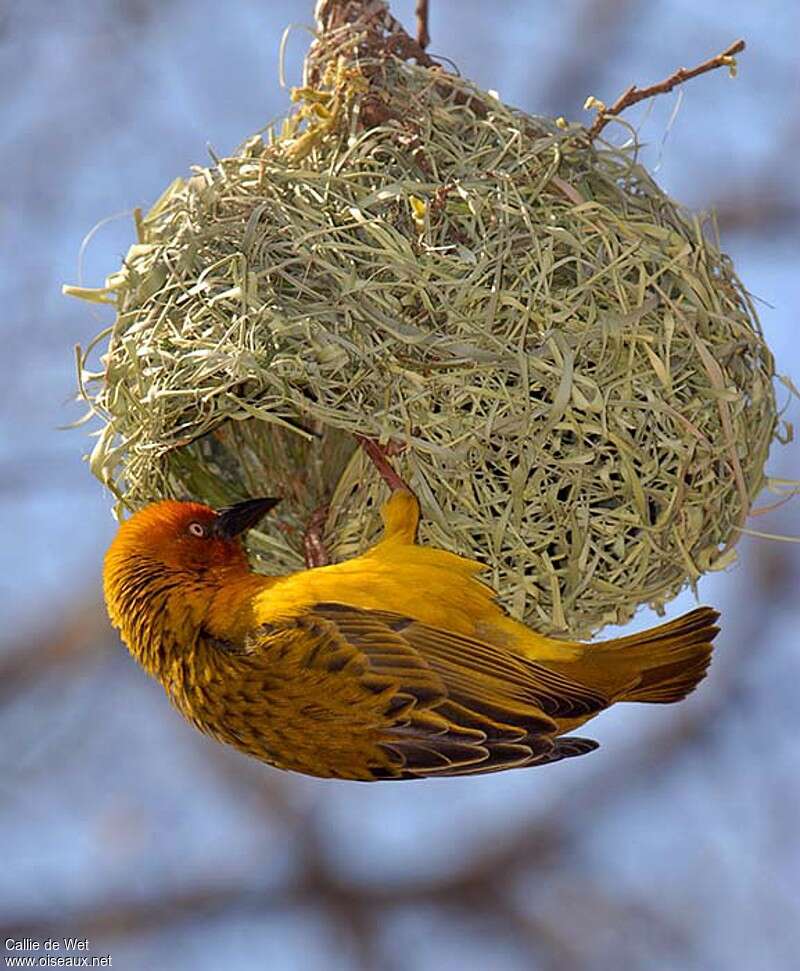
column 316, row 553
column 379, row 455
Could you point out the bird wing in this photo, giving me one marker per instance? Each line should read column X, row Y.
column 374, row 694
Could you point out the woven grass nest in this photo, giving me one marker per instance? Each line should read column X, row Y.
column 575, row 370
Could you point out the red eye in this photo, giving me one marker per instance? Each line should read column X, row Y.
column 197, row 529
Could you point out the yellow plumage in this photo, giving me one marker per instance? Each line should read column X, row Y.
column 396, row 664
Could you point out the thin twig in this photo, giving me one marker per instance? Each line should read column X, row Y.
column 634, row 95
column 423, row 34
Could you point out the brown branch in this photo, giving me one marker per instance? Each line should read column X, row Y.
column 423, row 34
column 765, row 204
column 482, row 881
column 634, row 95
column 480, row 885
column 366, row 28
column 81, row 633
column 338, row 19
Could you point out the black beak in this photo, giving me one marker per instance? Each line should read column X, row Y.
column 234, row 520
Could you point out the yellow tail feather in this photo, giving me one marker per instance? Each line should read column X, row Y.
column 660, row 665
column 670, row 660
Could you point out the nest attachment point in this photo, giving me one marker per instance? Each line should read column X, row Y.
column 576, row 371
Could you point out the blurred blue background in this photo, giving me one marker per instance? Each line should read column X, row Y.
column 674, row 846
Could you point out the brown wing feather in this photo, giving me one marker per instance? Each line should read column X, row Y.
column 465, row 663
column 436, row 704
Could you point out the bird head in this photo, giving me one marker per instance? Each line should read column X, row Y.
column 188, row 536
column 168, row 560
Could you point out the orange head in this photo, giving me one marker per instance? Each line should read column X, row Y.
column 165, row 566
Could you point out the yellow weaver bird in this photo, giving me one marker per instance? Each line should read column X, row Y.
column 396, row 664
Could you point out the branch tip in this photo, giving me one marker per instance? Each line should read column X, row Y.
column 634, row 95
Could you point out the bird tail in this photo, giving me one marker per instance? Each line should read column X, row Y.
column 665, row 663
column 660, row 665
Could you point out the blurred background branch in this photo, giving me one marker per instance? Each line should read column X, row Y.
column 536, row 850
column 673, row 846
